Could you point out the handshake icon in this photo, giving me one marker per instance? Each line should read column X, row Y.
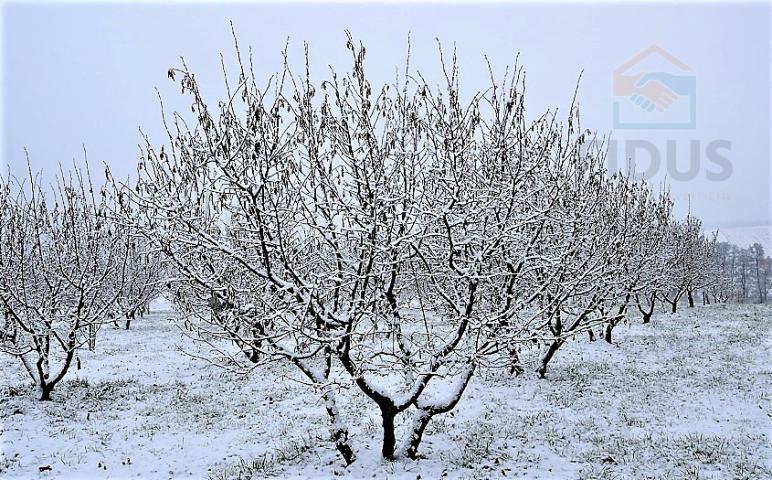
column 648, row 96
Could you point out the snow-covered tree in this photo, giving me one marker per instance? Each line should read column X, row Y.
column 653, row 254
column 62, row 264
column 393, row 239
column 360, row 236
column 144, row 279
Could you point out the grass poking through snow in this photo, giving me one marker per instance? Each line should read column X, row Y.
column 688, row 397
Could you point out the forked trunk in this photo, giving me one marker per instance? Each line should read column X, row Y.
column 651, row 304
column 129, row 317
column 45, row 391
column 554, row 346
column 613, row 322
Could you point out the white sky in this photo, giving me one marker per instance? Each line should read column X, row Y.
column 77, row 74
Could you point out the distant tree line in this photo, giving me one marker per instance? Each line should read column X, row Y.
column 747, row 272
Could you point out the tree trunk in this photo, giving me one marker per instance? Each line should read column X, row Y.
column 554, row 346
column 45, row 391
column 92, row 337
column 515, row 368
column 652, row 304
column 591, row 334
column 339, row 430
column 129, row 317
column 690, row 296
column 674, row 306
column 422, row 419
column 389, row 440
column 47, row 382
column 613, row 322
column 426, row 412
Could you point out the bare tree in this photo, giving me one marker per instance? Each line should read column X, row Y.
column 760, row 267
column 144, row 279
column 395, row 238
column 643, row 220
column 678, row 246
column 580, row 262
column 357, row 235
column 725, row 288
column 740, row 273
column 62, row 265
column 655, row 267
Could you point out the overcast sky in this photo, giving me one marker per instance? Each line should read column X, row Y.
column 86, row 74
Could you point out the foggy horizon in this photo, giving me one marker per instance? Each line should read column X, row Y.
column 85, row 75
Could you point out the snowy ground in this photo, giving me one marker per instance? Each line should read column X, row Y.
column 687, row 397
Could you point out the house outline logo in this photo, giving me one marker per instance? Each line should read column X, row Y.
column 652, row 98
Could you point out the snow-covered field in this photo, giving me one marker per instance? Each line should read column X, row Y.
column 689, row 396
